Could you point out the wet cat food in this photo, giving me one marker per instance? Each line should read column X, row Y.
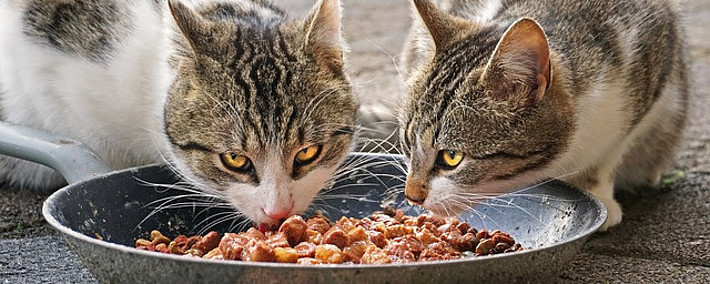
column 383, row 237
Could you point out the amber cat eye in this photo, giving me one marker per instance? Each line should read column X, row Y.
column 308, row 154
column 235, row 162
column 449, row 158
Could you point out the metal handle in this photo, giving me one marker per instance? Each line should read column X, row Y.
column 72, row 159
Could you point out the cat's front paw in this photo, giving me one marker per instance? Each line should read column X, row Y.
column 613, row 211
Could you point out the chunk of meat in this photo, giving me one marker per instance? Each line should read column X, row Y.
column 294, row 228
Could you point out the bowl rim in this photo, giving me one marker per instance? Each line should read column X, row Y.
column 50, row 206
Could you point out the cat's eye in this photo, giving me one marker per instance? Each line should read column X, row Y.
column 235, row 162
column 449, row 158
column 308, row 154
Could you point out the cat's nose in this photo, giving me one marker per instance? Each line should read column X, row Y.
column 279, row 214
column 415, row 193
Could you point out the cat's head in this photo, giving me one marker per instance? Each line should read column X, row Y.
column 261, row 112
column 482, row 113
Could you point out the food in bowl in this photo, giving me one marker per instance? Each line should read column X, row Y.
column 383, row 237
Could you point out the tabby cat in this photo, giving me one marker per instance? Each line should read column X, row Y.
column 245, row 103
column 503, row 94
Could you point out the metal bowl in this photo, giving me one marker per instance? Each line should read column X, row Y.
column 551, row 221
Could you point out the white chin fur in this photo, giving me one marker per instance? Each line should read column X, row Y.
column 277, row 194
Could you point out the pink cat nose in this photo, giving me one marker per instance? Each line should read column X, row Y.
column 279, row 214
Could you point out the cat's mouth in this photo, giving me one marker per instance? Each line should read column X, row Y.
column 263, row 227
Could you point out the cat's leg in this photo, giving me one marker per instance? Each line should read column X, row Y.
column 599, row 181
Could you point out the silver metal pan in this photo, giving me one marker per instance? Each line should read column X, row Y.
column 551, row 220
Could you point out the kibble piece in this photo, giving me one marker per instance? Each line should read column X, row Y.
column 208, row 242
column 439, row 251
column 285, row 255
column 421, row 219
column 344, row 224
column 142, row 243
column 410, row 222
column 313, row 237
column 502, row 247
column 377, row 238
column 161, row 247
column 357, row 234
column 337, row 237
column 399, row 215
column 374, row 255
column 463, row 227
column 483, row 234
column 318, row 223
column 309, row 260
column 354, row 252
column 436, row 220
column 232, row 246
column 213, row 254
column 470, row 241
column 278, row 240
column 454, row 238
column 294, row 228
column 378, row 226
column 485, row 247
column 431, row 228
column 157, row 237
column 305, row 249
column 194, row 252
column 254, row 234
column 410, row 243
column 426, row 237
column 443, row 248
column 394, row 231
column 174, row 248
column 447, row 228
column 502, row 238
column 185, row 243
column 261, row 252
column 398, row 252
column 191, row 242
column 329, row 253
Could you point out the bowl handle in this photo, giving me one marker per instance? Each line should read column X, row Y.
column 72, row 159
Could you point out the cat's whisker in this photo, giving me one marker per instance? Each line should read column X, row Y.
column 468, row 204
column 326, row 208
column 241, row 225
column 349, row 185
column 380, row 145
column 357, row 168
column 391, row 193
column 218, row 218
column 340, row 196
column 466, row 207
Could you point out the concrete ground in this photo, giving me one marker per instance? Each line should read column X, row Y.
column 664, row 237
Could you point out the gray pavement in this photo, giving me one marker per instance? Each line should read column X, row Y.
column 664, row 237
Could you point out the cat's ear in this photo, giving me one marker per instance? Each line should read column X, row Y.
column 324, row 34
column 195, row 29
column 442, row 27
column 520, row 63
